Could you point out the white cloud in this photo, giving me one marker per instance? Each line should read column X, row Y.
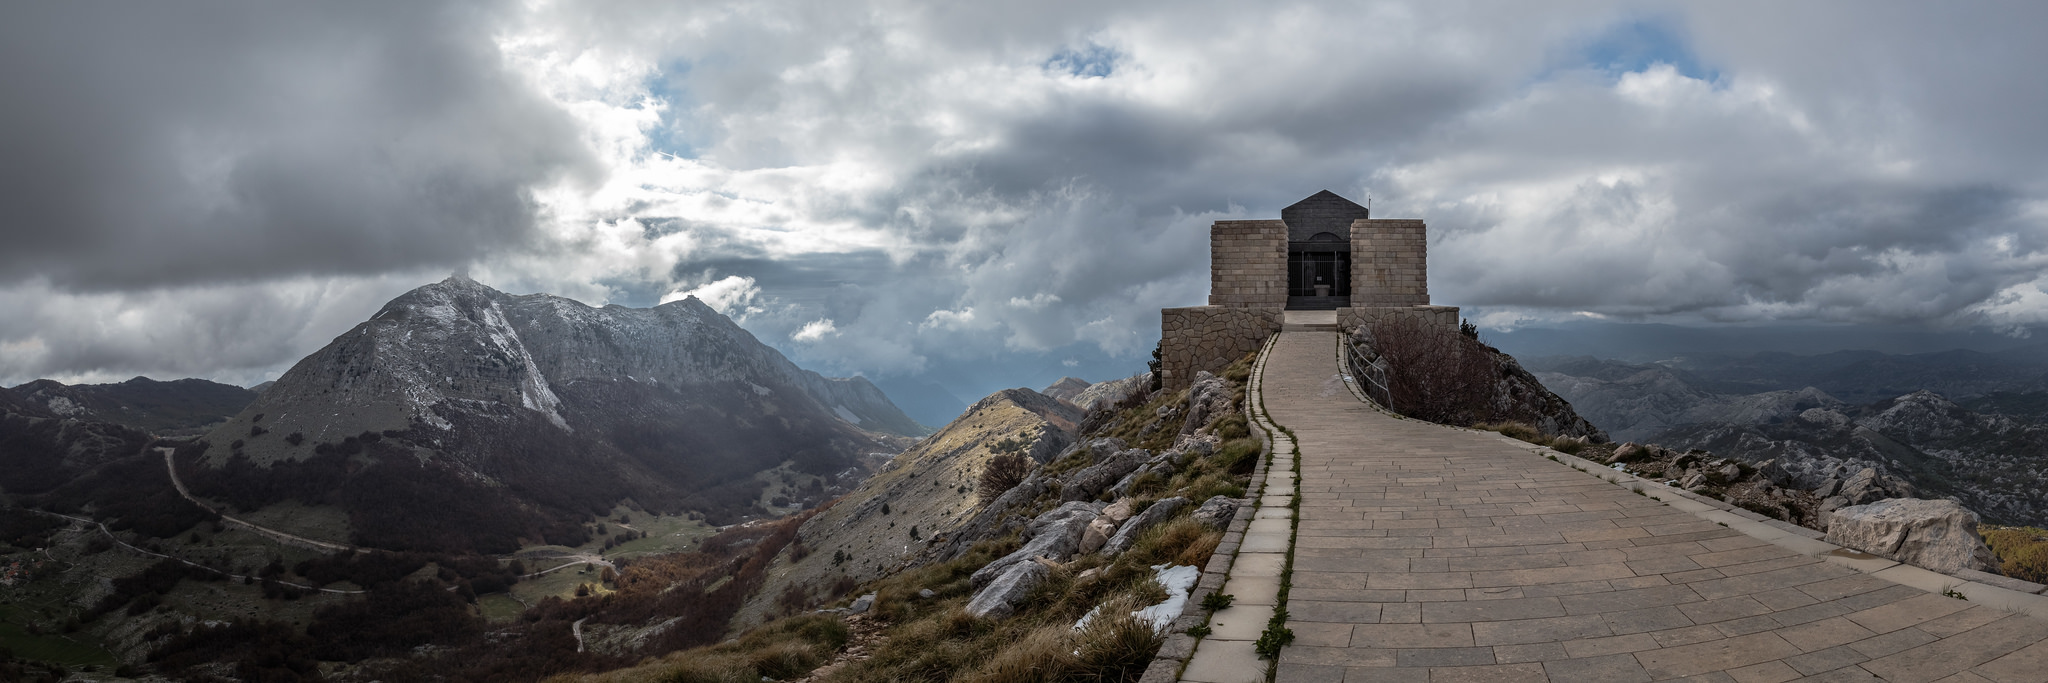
column 816, row 330
column 729, row 295
column 949, row 320
column 949, row 184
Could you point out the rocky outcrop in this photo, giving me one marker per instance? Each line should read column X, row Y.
column 1936, row 534
column 1208, row 398
column 1092, row 480
column 1112, row 392
column 998, row 599
column 1160, row 511
column 1519, row 397
column 1761, row 488
column 1055, row 535
column 1433, row 372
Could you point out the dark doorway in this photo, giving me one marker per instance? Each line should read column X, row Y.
column 1318, row 280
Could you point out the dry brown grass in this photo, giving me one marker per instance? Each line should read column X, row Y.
column 787, row 648
column 1527, row 432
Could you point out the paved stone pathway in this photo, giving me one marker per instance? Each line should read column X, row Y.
column 1426, row 553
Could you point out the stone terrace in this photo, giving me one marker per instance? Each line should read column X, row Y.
column 1426, row 553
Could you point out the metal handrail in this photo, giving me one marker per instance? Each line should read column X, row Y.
column 1371, row 373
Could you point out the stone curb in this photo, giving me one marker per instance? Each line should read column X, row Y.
column 1179, row 646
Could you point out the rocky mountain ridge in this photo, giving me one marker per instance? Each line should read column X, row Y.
column 925, row 493
column 181, row 406
column 460, row 411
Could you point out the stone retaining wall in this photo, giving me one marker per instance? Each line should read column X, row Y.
column 1210, row 338
column 1349, row 319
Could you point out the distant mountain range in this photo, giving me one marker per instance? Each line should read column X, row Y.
column 177, row 406
column 463, row 419
column 1967, row 424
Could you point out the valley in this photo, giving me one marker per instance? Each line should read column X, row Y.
column 466, row 454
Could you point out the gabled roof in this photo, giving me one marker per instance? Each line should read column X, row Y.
column 1323, row 211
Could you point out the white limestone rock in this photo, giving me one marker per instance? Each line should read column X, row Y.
column 1092, row 480
column 1208, row 399
column 1055, row 535
column 1936, row 534
column 999, row 599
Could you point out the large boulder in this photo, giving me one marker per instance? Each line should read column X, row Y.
column 1092, row 480
column 1937, row 534
column 999, row 599
column 1632, row 451
column 1160, row 511
column 1055, row 535
column 1217, row 512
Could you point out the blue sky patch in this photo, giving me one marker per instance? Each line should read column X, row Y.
column 1091, row 61
column 679, row 133
column 1636, row 45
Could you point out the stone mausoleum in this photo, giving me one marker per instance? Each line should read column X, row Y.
column 1326, row 253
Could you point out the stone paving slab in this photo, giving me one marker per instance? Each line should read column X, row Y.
column 1427, row 553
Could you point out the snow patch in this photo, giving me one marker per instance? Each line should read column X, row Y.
column 846, row 415
column 758, row 389
column 1178, row 581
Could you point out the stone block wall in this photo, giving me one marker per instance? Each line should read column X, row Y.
column 1349, row 319
column 1248, row 263
column 1210, row 338
column 1389, row 263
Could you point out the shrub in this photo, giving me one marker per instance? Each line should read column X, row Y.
column 2022, row 552
column 1157, row 366
column 1434, row 373
column 1002, row 473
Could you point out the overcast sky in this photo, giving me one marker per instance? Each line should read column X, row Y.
column 980, row 197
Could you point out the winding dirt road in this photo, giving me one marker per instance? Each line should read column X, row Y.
column 273, row 534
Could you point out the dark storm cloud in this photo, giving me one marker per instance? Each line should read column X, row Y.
column 150, row 144
column 960, row 188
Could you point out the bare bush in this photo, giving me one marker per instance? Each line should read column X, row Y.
column 1435, row 373
column 1004, row 472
